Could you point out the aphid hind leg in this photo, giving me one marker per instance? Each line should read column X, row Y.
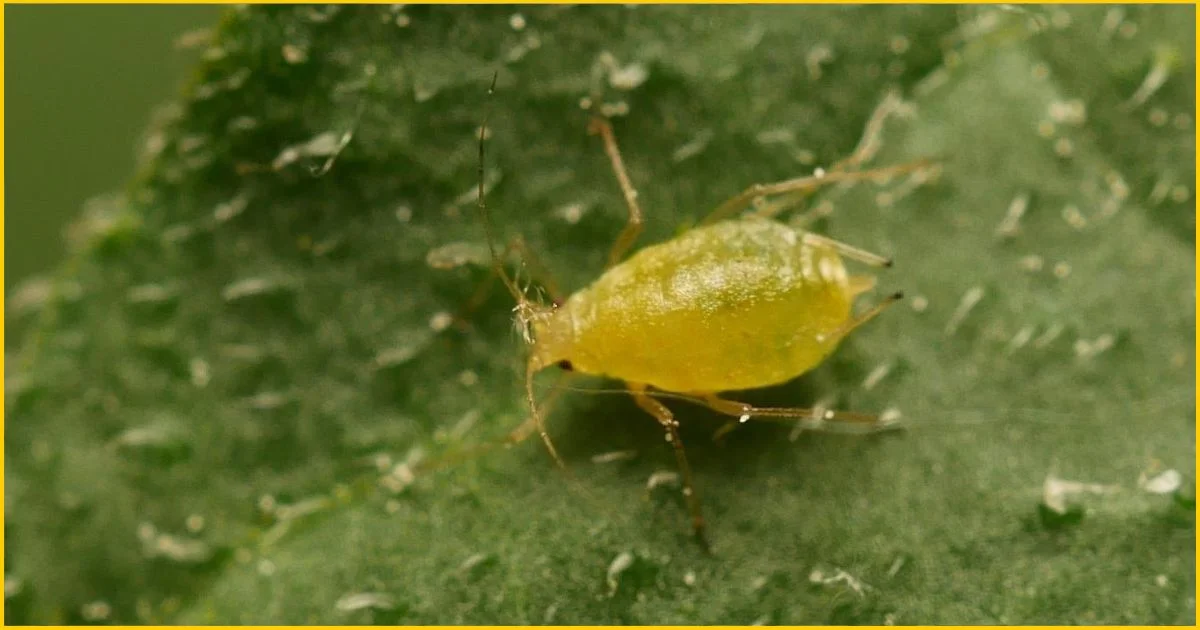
column 600, row 125
column 815, row 419
column 667, row 420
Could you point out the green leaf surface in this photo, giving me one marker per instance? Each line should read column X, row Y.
column 237, row 354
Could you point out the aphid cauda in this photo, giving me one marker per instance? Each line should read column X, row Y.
column 733, row 304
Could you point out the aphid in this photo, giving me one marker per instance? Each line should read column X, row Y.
column 733, row 304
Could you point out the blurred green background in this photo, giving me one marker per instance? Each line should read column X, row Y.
column 82, row 82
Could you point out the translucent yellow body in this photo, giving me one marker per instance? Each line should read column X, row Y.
column 734, row 305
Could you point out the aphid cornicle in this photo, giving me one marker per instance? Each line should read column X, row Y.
column 733, row 304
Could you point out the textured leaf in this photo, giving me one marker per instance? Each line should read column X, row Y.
column 242, row 345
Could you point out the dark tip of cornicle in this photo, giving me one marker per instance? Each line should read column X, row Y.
column 566, row 365
column 888, row 263
column 899, row 295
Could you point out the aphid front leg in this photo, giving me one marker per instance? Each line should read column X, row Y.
column 600, row 125
column 536, row 270
column 667, row 419
column 518, row 435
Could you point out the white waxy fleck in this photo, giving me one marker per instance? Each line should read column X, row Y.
column 1117, row 185
column 1162, row 187
column 898, row 44
column 613, row 456
column 1165, row 482
column 404, row 213
column 458, row 254
column 1056, row 492
column 473, row 561
column 1074, row 217
column 1161, row 581
column 351, row 602
column 919, row 303
column 250, row 287
column 1049, row 336
column 194, row 523
column 1070, row 112
column 13, row 586
column 182, row 550
column 1063, row 147
column 839, row 576
column 1040, row 71
column 96, row 611
column 1032, row 263
column 302, row 508
column 628, row 77
column 817, row 55
column 897, row 564
column 1112, row 20
column 968, row 302
column 1011, row 225
column 294, row 54
column 744, row 417
column 779, row 135
column 1046, row 129
column 619, row 565
column 1160, row 71
column 1085, row 349
column 516, row 21
column 876, row 375
column 468, row 378
column 1157, row 116
column 440, row 321
column 1062, row 269
column 1020, row 339
column 1180, row 194
column 200, row 372
column 693, row 147
column 265, row 567
column 661, row 478
column 890, row 416
column 572, row 213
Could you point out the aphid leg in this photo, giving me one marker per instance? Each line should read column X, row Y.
column 814, row 419
column 537, row 271
column 538, row 423
column 667, row 419
column 808, row 183
column 849, row 251
column 849, row 326
column 514, row 437
column 600, row 125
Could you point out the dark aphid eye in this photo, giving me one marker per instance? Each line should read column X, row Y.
column 566, row 365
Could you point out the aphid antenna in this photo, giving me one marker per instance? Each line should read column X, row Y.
column 526, row 309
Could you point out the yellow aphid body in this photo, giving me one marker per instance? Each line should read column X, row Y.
column 735, row 305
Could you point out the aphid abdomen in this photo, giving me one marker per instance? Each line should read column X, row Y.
column 735, row 305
